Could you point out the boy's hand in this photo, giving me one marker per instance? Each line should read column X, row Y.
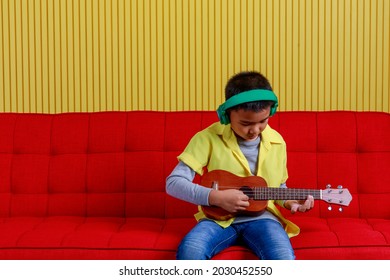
column 301, row 205
column 231, row 200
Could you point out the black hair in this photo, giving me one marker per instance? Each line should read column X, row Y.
column 245, row 81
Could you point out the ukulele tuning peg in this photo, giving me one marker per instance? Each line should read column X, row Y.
column 328, row 186
column 330, row 207
column 341, row 209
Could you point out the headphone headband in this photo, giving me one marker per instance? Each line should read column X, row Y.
column 245, row 97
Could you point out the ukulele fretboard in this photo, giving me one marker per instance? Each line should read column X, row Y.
column 282, row 193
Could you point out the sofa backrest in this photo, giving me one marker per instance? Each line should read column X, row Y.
column 351, row 149
column 115, row 163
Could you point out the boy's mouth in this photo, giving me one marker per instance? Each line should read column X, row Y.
column 252, row 137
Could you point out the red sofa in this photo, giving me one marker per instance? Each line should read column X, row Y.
column 92, row 185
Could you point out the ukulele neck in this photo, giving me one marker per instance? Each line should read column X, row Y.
column 284, row 193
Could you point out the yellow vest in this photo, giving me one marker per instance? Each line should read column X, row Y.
column 216, row 148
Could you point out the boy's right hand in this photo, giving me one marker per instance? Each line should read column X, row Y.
column 232, row 200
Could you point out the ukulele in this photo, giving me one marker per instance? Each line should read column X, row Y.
column 256, row 189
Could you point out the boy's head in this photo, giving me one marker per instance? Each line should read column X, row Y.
column 248, row 91
column 245, row 81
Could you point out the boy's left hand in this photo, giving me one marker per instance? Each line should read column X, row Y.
column 302, row 205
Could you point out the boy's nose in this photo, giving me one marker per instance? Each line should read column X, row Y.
column 255, row 130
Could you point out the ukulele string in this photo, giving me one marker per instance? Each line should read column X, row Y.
column 266, row 193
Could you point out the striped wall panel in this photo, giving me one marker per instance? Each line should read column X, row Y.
column 97, row 55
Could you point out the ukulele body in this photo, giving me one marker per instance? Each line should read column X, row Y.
column 226, row 180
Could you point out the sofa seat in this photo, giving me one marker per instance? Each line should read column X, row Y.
column 66, row 237
column 342, row 238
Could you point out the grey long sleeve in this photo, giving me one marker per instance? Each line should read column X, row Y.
column 179, row 184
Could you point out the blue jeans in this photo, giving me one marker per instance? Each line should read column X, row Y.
column 265, row 237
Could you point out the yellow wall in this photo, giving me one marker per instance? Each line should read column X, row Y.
column 90, row 55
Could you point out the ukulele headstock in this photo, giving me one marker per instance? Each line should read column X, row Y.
column 339, row 196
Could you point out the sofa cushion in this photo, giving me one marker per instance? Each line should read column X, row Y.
column 67, row 233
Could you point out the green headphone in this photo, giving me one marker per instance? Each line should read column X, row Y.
column 244, row 97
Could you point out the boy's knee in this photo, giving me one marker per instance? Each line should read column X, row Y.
column 191, row 252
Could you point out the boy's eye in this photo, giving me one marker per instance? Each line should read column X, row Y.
column 249, row 124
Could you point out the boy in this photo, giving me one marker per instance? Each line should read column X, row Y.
column 242, row 144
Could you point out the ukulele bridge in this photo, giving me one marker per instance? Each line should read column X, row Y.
column 214, row 185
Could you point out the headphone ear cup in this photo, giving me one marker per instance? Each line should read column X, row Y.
column 273, row 109
column 223, row 118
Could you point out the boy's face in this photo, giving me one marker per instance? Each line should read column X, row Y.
column 249, row 124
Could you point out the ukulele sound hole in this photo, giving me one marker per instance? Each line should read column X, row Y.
column 248, row 191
